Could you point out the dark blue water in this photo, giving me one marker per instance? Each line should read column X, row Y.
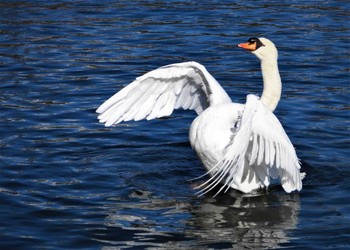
column 68, row 182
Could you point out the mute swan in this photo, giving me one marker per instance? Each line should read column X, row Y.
column 241, row 145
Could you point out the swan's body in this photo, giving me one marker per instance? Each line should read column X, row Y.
column 241, row 146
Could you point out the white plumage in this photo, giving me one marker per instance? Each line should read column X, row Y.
column 241, row 146
column 157, row 93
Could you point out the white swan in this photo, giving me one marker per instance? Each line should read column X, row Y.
column 241, row 146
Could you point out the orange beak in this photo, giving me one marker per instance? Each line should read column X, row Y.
column 247, row 46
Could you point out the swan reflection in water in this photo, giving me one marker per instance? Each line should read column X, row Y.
column 247, row 221
column 235, row 220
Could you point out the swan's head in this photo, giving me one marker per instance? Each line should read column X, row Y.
column 263, row 48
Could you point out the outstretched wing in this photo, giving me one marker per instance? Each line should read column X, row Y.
column 157, row 93
column 262, row 141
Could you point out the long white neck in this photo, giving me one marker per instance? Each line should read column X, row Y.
column 272, row 83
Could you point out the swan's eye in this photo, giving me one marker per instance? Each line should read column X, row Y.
column 252, row 40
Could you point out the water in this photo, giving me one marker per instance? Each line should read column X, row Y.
column 68, row 182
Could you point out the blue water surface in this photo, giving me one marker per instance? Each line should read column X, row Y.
column 66, row 181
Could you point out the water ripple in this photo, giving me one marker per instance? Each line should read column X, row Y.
column 66, row 181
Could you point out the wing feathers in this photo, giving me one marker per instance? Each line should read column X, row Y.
column 254, row 150
column 157, row 93
column 261, row 150
column 262, row 145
